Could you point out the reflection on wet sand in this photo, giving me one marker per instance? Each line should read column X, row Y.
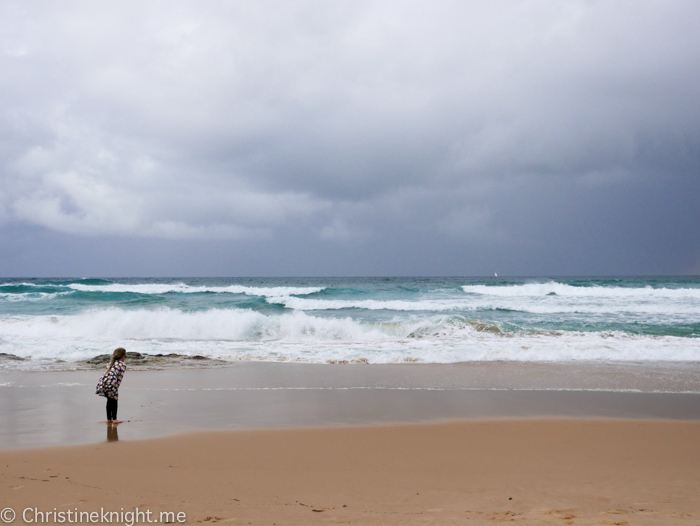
column 112, row 434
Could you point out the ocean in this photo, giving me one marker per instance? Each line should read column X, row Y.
column 55, row 323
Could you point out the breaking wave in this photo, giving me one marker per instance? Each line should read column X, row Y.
column 545, row 305
column 554, row 288
column 243, row 334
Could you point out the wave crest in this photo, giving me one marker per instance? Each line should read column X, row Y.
column 562, row 289
column 183, row 288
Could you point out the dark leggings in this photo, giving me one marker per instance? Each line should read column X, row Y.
column 111, row 409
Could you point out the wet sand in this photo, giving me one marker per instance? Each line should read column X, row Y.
column 558, row 471
column 60, row 408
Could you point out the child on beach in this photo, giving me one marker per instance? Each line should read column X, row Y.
column 108, row 386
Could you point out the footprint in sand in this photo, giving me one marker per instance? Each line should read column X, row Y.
column 506, row 516
column 565, row 515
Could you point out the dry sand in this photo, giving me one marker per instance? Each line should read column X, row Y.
column 558, row 471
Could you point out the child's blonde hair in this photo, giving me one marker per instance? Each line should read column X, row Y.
column 118, row 354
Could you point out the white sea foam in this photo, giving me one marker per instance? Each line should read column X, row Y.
column 30, row 296
column 539, row 305
column 164, row 288
column 216, row 324
column 436, row 305
column 239, row 334
column 596, row 291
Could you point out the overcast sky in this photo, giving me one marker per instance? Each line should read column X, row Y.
column 302, row 138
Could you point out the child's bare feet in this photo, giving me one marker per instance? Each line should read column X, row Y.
column 117, row 422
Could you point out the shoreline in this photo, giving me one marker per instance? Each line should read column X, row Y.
column 645, row 376
column 158, row 362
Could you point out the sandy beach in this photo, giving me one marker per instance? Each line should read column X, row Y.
column 299, row 444
column 559, row 471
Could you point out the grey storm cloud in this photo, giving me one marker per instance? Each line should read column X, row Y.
column 351, row 123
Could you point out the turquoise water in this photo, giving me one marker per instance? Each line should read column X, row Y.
column 373, row 320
